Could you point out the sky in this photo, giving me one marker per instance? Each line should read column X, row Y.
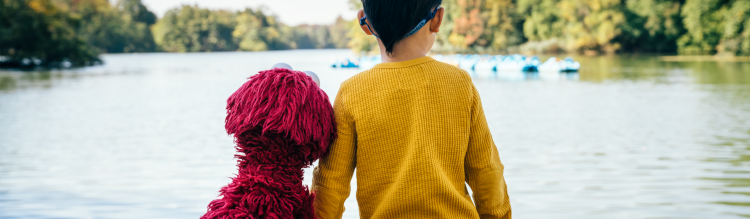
column 291, row 12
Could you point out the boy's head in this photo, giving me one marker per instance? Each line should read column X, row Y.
column 394, row 20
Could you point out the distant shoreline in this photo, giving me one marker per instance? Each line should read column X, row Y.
column 664, row 57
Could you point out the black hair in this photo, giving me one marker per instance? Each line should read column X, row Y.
column 393, row 19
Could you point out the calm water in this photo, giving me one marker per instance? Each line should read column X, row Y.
column 142, row 136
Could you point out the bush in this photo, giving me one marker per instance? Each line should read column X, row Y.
column 37, row 33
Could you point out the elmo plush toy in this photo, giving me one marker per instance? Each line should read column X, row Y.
column 281, row 121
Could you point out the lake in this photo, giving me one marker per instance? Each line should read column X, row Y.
column 142, row 136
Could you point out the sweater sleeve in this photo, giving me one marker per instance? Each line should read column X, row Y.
column 484, row 171
column 333, row 175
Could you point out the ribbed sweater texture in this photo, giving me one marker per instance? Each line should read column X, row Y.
column 416, row 134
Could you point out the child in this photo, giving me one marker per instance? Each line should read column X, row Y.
column 413, row 128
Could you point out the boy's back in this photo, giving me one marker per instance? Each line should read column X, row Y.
column 415, row 131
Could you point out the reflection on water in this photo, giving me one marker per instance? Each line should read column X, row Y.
column 653, row 68
column 142, row 136
column 12, row 81
column 733, row 146
column 510, row 76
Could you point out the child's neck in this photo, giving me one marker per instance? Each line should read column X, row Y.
column 408, row 49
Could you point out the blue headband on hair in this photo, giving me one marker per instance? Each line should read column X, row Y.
column 421, row 24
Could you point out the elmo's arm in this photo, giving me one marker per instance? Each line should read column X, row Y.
column 333, row 175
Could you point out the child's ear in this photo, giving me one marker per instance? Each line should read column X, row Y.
column 360, row 15
column 437, row 21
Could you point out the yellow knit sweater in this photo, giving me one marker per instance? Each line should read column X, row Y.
column 415, row 131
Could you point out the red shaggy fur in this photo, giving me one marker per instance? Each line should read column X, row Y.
column 282, row 122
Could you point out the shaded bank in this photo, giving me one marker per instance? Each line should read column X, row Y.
column 37, row 33
column 70, row 33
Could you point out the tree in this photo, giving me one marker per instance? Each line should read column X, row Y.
column 193, row 29
column 704, row 23
column 468, row 25
column 359, row 41
column 138, row 21
column 37, row 33
column 593, row 24
column 716, row 26
column 543, row 26
column 256, row 31
column 124, row 27
column 661, row 25
column 543, row 21
column 736, row 36
column 338, row 33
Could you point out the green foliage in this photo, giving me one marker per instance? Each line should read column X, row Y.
column 704, row 22
column 114, row 29
column 661, row 25
column 192, row 29
column 543, row 20
column 359, row 41
column 322, row 36
column 37, row 33
column 480, row 24
column 737, row 31
column 591, row 26
column 535, row 25
column 729, row 30
column 338, row 33
column 50, row 32
column 256, row 31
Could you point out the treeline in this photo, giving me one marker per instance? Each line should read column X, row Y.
column 690, row 27
column 194, row 29
column 48, row 33
column 75, row 32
